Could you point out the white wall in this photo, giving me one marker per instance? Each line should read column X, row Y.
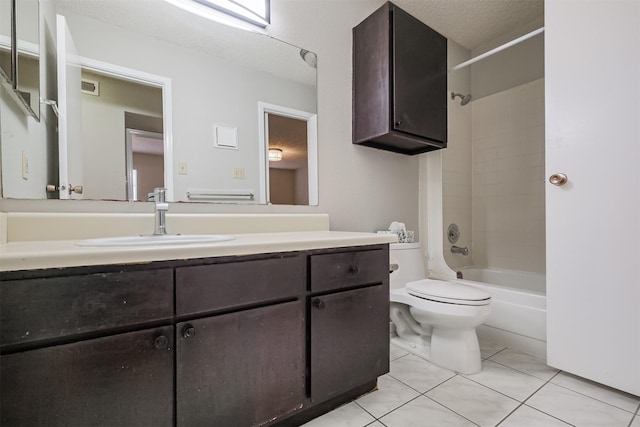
column 362, row 189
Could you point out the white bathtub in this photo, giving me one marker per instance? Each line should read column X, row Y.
column 518, row 307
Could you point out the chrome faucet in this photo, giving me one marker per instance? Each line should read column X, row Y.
column 161, row 207
column 459, row 250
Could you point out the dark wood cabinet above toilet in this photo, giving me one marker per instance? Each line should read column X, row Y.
column 399, row 83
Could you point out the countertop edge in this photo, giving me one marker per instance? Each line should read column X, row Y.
column 36, row 255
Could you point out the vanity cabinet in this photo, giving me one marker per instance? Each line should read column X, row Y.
column 245, row 367
column 349, row 315
column 271, row 339
column 66, row 359
column 399, row 83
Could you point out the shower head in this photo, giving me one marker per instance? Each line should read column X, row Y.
column 464, row 99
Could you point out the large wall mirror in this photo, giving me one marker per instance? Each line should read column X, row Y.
column 6, row 10
column 20, row 53
column 154, row 95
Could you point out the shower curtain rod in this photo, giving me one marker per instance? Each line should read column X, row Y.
column 497, row 49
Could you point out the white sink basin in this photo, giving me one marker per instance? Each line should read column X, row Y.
column 154, row 240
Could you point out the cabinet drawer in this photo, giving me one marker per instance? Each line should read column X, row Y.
column 344, row 269
column 213, row 287
column 38, row 309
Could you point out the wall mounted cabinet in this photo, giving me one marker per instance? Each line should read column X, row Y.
column 259, row 340
column 399, row 83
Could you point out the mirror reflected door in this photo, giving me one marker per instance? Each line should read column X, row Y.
column 70, row 148
column 145, row 163
column 288, row 139
column 288, row 160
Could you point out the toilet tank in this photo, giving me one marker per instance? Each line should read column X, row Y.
column 410, row 262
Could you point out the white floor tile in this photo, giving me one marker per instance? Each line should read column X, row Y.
column 488, row 349
column 514, row 384
column 473, row 401
column 525, row 416
column 349, row 415
column 578, row 409
column 418, row 373
column 606, row 394
column 423, row 412
column 636, row 421
column 375, row 424
column 391, row 394
column 396, row 352
column 526, row 363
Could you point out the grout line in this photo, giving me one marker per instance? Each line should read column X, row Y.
column 451, row 410
column 595, row 398
column 635, row 417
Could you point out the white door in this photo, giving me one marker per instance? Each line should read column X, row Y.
column 593, row 222
column 70, row 110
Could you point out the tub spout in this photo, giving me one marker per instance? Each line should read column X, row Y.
column 459, row 250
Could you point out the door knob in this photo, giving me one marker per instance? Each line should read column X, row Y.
column 558, row 179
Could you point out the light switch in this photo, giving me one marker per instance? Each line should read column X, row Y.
column 182, row 168
column 238, row 173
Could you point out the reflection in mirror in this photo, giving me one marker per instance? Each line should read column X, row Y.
column 288, row 171
column 27, row 79
column 217, row 76
column 5, row 40
column 145, row 163
column 111, row 106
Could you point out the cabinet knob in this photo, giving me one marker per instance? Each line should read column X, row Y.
column 188, row 331
column 318, row 303
column 399, row 123
column 354, row 269
column 161, row 342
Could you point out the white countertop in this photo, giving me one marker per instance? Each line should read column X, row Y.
column 32, row 255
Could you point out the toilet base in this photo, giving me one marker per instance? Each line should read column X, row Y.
column 453, row 349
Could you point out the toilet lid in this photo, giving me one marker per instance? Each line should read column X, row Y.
column 448, row 292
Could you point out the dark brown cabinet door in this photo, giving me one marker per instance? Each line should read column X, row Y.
column 121, row 380
column 349, row 340
column 241, row 369
column 419, row 78
column 399, row 83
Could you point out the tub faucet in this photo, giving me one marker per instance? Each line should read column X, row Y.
column 161, row 207
column 459, row 250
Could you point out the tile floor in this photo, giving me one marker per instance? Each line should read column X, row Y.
column 514, row 389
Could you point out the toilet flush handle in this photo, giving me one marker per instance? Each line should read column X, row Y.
column 393, row 267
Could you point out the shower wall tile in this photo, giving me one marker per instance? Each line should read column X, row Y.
column 507, row 164
column 457, row 187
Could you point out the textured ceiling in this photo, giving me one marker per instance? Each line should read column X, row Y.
column 474, row 22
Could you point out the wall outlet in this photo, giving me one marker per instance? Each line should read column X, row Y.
column 238, row 173
column 25, row 166
column 182, row 168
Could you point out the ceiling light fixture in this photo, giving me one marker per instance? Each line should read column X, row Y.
column 275, row 154
column 216, row 14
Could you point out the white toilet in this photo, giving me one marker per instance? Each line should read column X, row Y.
column 435, row 319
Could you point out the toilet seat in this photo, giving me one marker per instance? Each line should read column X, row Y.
column 448, row 292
